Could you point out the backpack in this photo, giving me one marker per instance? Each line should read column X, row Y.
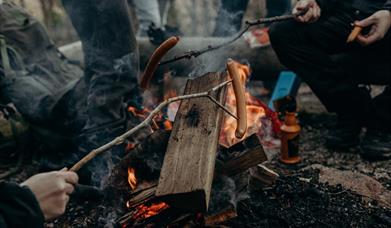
column 34, row 75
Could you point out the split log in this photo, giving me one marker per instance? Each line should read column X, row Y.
column 189, row 162
column 251, row 153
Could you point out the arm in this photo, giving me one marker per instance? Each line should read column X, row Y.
column 52, row 191
column 19, row 207
column 42, row 196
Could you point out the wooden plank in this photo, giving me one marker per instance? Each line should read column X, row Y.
column 186, row 177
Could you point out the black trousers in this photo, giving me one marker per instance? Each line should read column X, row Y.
column 318, row 53
column 111, row 61
column 96, row 103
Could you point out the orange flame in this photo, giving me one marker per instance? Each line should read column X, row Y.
column 144, row 212
column 254, row 112
column 158, row 122
column 132, row 178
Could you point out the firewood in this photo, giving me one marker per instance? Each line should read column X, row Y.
column 262, row 177
column 252, row 154
column 220, row 217
column 189, row 162
column 141, row 197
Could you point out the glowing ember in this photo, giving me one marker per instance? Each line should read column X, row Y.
column 160, row 121
column 255, row 112
column 132, row 178
column 130, row 146
column 144, row 212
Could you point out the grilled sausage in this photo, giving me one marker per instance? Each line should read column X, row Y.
column 241, row 127
column 353, row 35
column 155, row 59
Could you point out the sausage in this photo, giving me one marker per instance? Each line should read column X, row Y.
column 153, row 62
column 241, row 127
column 353, row 35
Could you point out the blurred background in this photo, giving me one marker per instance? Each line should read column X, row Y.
column 191, row 17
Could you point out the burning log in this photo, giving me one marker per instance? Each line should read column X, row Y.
column 222, row 216
column 189, row 162
column 141, row 196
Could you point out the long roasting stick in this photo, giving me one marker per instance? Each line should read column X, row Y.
column 122, row 138
column 249, row 24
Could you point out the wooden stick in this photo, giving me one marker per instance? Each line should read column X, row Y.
column 121, row 139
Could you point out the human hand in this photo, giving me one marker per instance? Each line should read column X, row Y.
column 310, row 10
column 52, row 191
column 380, row 23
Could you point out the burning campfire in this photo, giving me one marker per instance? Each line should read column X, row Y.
column 145, row 202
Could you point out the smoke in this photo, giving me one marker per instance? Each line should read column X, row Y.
column 228, row 191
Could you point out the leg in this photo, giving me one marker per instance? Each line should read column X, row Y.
column 111, row 59
column 307, row 49
column 111, row 55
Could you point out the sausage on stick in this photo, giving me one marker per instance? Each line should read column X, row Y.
column 241, row 127
column 155, row 59
column 353, row 35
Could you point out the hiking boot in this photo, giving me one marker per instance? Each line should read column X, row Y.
column 345, row 135
column 376, row 145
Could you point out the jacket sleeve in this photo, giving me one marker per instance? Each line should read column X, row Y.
column 387, row 6
column 326, row 5
column 19, row 207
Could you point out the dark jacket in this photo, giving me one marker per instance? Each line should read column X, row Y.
column 18, row 207
column 366, row 6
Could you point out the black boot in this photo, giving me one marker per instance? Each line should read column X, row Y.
column 376, row 145
column 345, row 135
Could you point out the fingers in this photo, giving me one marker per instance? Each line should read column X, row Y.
column 70, row 177
column 311, row 9
column 69, row 188
column 368, row 40
column 366, row 22
column 317, row 12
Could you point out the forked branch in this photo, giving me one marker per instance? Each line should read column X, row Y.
column 122, row 138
